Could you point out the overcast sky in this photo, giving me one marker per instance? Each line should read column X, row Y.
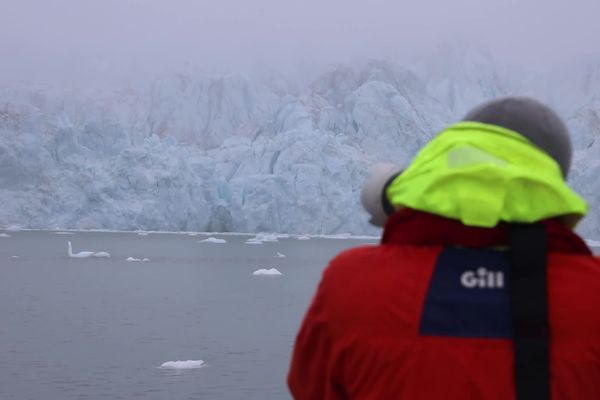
column 58, row 40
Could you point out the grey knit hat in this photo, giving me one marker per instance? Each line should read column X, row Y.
column 532, row 119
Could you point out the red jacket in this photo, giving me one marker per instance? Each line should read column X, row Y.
column 417, row 318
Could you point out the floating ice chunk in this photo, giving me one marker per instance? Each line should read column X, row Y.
column 264, row 271
column 193, row 234
column 4, row 235
column 338, row 236
column 212, row 240
column 365, row 237
column 64, row 233
column 253, row 241
column 347, row 236
column 592, row 243
column 303, row 237
column 137, row 259
column 86, row 254
column 142, row 233
column 266, row 237
column 14, row 257
column 280, row 255
column 189, row 364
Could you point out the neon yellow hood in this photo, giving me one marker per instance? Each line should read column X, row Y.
column 481, row 174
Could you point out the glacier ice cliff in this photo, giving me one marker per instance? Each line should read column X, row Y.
column 234, row 153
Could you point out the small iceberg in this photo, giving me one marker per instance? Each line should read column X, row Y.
column 264, row 271
column 15, row 257
column 4, row 235
column 266, row 237
column 280, row 255
column 592, row 243
column 212, row 240
column 86, row 254
column 193, row 234
column 64, row 233
column 142, row 233
column 303, row 237
column 137, row 259
column 253, row 241
column 189, row 364
column 337, row 236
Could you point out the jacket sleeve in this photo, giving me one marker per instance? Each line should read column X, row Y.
column 313, row 373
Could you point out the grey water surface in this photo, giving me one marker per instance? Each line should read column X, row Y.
column 101, row 328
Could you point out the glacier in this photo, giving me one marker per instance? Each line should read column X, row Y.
column 241, row 153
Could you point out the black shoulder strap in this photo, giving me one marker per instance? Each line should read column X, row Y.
column 529, row 308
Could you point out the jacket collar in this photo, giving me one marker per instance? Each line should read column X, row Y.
column 418, row 228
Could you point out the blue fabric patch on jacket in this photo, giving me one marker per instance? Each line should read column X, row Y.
column 468, row 295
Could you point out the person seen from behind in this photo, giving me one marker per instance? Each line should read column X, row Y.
column 479, row 289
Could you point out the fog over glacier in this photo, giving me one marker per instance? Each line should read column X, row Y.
column 133, row 115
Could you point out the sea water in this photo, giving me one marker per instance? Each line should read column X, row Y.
column 108, row 328
column 188, row 319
